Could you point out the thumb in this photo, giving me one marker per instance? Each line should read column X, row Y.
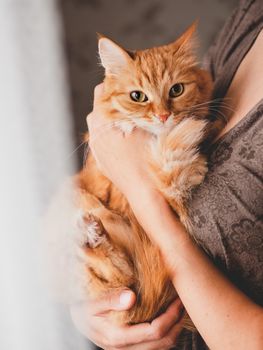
column 122, row 300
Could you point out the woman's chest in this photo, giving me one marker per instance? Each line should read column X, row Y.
column 226, row 211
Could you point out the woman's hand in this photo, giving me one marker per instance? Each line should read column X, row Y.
column 92, row 320
column 121, row 157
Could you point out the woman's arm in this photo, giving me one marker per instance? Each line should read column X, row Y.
column 224, row 316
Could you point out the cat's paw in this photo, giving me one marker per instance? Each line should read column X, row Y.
column 93, row 232
column 197, row 172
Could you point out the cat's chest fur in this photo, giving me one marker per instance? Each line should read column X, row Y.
column 175, row 163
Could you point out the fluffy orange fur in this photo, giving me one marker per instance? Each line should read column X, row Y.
column 116, row 251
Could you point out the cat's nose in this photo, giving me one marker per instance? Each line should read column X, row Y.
column 163, row 117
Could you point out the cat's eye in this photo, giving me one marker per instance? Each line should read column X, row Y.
column 176, row 90
column 138, row 96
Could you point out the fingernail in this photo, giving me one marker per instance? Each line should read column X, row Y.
column 125, row 298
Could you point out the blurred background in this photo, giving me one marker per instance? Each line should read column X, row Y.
column 48, row 69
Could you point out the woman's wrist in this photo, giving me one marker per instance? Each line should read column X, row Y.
column 159, row 221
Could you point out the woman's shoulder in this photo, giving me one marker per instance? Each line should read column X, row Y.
column 233, row 42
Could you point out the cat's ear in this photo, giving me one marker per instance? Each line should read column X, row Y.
column 187, row 42
column 113, row 57
column 188, row 38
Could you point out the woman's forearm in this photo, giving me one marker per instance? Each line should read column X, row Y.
column 224, row 316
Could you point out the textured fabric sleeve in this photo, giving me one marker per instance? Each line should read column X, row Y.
column 212, row 57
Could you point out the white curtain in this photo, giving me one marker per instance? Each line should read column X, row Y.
column 35, row 155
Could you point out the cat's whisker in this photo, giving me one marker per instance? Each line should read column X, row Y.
column 216, row 108
column 228, row 108
column 219, row 105
column 76, row 149
column 221, row 114
column 207, row 103
column 220, row 102
column 222, row 105
column 211, row 109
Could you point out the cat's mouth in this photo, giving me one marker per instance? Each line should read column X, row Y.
column 154, row 125
column 151, row 124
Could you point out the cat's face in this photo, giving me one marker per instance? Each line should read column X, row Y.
column 155, row 88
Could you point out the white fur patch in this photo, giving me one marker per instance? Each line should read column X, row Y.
column 155, row 126
column 171, row 166
column 173, row 193
column 89, row 230
column 126, row 126
column 94, row 234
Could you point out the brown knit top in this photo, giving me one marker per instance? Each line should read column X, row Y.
column 227, row 209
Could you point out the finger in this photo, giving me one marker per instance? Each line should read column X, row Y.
column 98, row 93
column 144, row 332
column 97, row 122
column 128, row 335
column 91, row 327
column 170, row 340
column 162, row 324
column 121, row 300
column 112, row 336
column 104, row 333
column 89, row 118
column 148, row 332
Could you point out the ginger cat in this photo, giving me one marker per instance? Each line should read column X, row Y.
column 163, row 91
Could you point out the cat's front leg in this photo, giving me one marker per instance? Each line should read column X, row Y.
column 109, row 266
column 64, row 236
column 83, row 259
column 177, row 164
column 106, row 262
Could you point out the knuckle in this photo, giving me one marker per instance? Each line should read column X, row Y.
column 178, row 309
column 108, row 300
column 158, row 332
column 112, row 299
column 169, row 341
column 89, row 118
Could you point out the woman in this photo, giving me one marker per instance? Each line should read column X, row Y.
column 224, row 298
